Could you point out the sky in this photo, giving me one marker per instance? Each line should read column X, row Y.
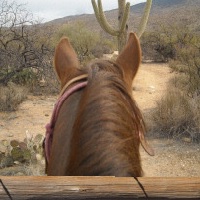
column 53, row 9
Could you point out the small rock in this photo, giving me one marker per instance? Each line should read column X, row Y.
column 12, row 116
column 10, row 135
column 152, row 87
column 2, row 148
column 19, row 174
column 188, row 140
column 38, row 157
column 16, row 162
column 137, row 88
column 2, row 125
column 43, row 162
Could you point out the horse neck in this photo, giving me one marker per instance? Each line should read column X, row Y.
column 104, row 138
column 62, row 135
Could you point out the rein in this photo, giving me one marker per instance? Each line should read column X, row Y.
column 64, row 94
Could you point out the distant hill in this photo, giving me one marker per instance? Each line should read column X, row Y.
column 173, row 11
column 185, row 12
column 160, row 4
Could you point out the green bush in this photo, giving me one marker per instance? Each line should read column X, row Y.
column 25, row 77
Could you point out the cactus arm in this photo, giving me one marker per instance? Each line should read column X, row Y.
column 123, row 14
column 96, row 10
column 104, row 22
column 125, row 18
column 102, row 19
column 145, row 17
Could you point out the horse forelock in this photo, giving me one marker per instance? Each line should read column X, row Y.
column 99, row 67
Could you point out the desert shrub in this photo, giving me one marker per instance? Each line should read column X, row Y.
column 81, row 39
column 24, row 45
column 176, row 66
column 104, row 46
column 177, row 116
column 26, row 77
column 171, row 41
column 86, row 43
column 187, row 64
column 158, row 47
column 11, row 96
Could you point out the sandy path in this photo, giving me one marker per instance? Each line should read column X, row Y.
column 31, row 116
column 150, row 84
column 171, row 159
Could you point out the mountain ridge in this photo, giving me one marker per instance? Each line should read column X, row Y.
column 162, row 10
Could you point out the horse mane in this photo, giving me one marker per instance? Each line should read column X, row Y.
column 107, row 125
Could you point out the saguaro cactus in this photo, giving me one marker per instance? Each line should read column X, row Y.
column 123, row 13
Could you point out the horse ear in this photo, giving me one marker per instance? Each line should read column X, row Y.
column 130, row 57
column 65, row 61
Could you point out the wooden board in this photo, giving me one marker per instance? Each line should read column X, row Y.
column 105, row 188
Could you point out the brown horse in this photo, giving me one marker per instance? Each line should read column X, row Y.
column 99, row 127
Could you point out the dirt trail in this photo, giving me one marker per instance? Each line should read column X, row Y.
column 31, row 117
column 150, row 84
column 171, row 159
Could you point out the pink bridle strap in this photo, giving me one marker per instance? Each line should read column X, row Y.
column 50, row 126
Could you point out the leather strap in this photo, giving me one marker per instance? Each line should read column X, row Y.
column 78, row 78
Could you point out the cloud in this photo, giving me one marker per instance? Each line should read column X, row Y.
column 53, row 9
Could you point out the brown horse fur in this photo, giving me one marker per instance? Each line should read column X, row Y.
column 97, row 129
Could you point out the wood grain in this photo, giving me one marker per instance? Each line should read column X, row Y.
column 98, row 188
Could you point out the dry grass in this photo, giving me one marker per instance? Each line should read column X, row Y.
column 34, row 170
column 24, row 170
column 177, row 115
column 11, row 96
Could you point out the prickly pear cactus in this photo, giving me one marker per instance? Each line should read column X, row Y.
column 28, row 151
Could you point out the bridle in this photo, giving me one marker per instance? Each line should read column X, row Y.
column 74, row 80
column 78, row 82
